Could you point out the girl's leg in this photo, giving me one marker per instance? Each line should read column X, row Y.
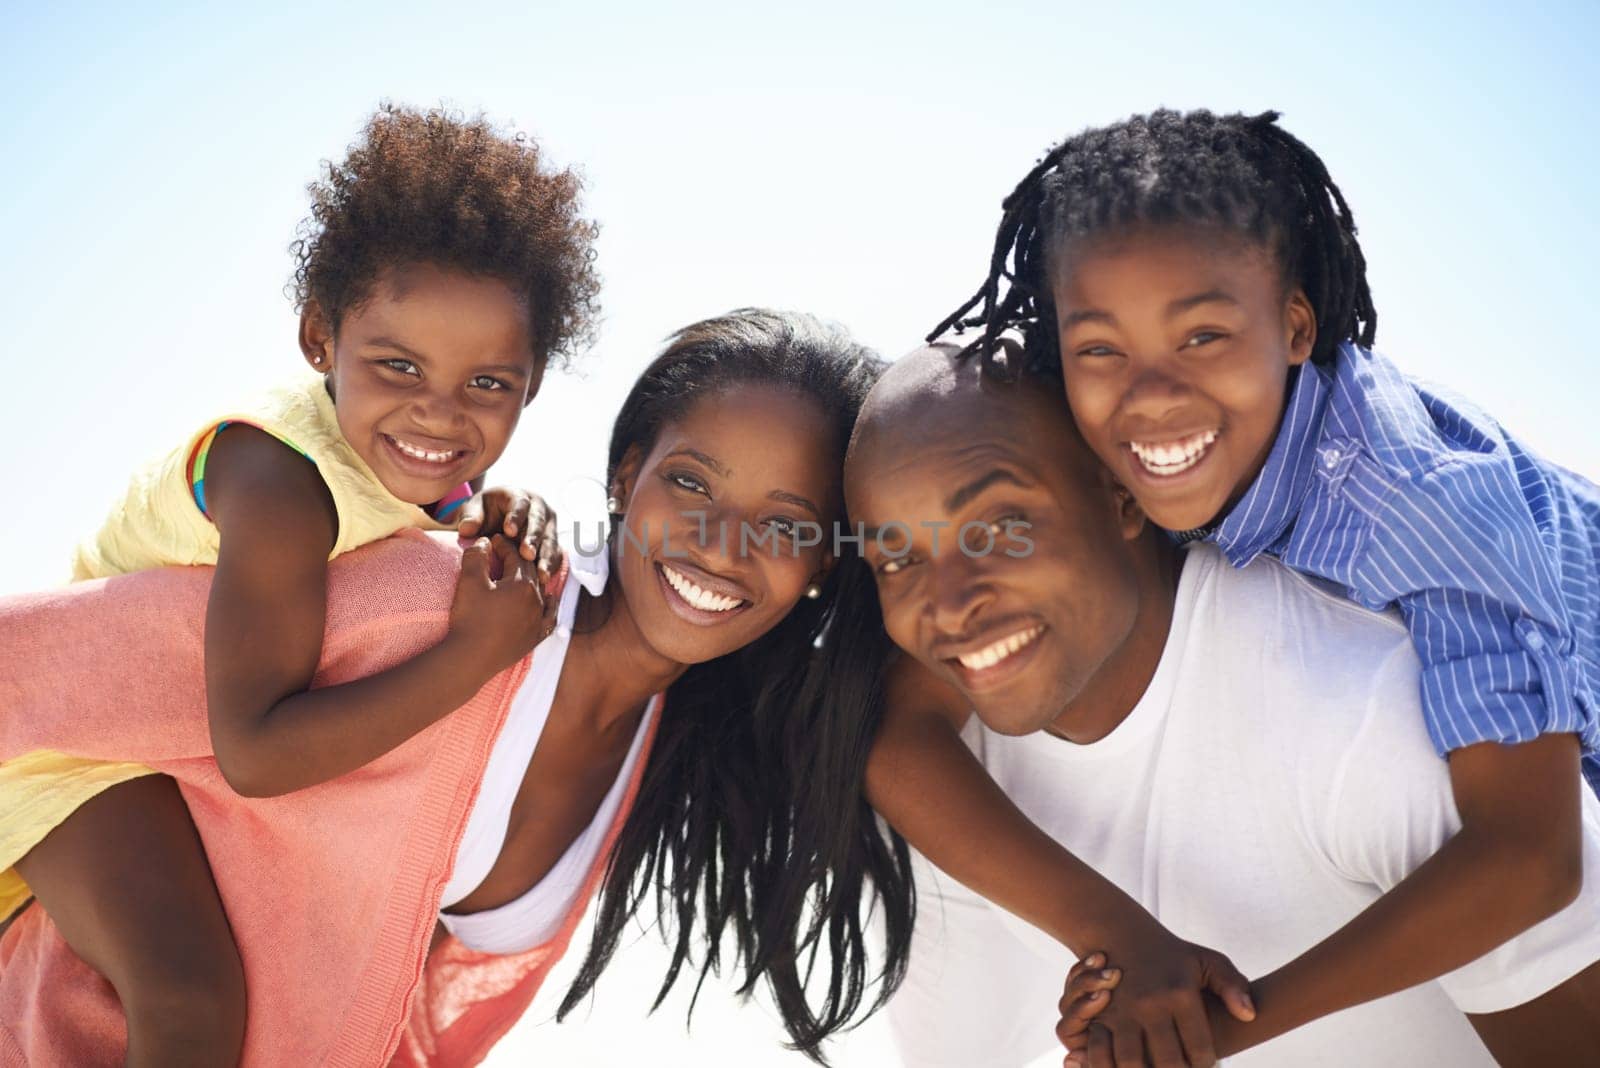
column 126, row 881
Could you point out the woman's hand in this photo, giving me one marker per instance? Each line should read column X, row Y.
column 1159, row 1016
column 525, row 518
column 501, row 608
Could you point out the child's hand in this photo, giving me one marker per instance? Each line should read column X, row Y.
column 1159, row 1014
column 526, row 518
column 1087, row 993
column 501, row 608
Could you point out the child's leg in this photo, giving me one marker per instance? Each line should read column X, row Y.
column 126, row 881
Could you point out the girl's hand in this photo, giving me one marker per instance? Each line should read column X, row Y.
column 1159, row 1017
column 525, row 518
column 1087, row 993
column 501, row 608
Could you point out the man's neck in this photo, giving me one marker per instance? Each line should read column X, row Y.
column 1116, row 689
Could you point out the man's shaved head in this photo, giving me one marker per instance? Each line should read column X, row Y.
column 933, row 394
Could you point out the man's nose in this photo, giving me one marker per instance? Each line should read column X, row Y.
column 960, row 589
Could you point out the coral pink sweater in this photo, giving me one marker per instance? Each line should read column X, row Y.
column 332, row 891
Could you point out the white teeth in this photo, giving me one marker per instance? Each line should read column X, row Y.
column 419, row 453
column 992, row 654
column 702, row 599
column 1171, row 457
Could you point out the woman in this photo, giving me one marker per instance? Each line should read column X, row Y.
column 505, row 812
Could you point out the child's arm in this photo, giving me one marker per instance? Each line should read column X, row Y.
column 264, row 626
column 1491, row 881
column 927, row 784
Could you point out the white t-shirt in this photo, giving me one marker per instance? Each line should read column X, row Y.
column 1275, row 779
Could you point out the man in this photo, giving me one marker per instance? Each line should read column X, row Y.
column 1242, row 751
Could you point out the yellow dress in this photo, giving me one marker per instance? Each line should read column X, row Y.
column 159, row 522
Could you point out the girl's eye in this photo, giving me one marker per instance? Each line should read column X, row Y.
column 784, row 525
column 405, row 367
column 1097, row 350
column 1204, row 337
column 488, row 383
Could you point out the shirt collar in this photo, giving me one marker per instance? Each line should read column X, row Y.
column 1269, row 507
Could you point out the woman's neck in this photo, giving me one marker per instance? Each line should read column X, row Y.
column 620, row 670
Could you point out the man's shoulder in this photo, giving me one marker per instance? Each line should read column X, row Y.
column 1302, row 633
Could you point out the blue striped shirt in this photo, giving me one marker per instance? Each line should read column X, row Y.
column 1406, row 497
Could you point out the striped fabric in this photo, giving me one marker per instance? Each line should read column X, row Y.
column 202, row 451
column 1407, row 497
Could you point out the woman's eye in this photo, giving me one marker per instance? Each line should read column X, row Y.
column 1204, row 337
column 895, row 566
column 784, row 525
column 405, row 367
column 1097, row 350
column 686, row 482
column 485, row 382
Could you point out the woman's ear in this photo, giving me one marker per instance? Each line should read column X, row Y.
column 316, row 338
column 624, row 478
column 1300, row 321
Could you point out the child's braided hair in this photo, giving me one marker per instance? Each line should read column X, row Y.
column 1240, row 172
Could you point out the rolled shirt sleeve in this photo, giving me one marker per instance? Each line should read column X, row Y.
column 1461, row 555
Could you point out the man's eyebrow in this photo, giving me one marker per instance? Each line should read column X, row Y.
column 966, row 494
column 796, row 500
column 1210, row 296
column 696, row 454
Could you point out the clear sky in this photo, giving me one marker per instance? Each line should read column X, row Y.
column 841, row 158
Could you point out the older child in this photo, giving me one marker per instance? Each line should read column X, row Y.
column 1196, row 284
column 443, row 267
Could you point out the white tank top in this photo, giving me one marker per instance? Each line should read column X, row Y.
column 533, row 918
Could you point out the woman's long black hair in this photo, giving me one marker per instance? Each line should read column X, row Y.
column 750, row 816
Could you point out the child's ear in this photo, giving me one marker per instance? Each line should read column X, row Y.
column 624, row 477
column 1300, row 321
column 316, row 338
column 1130, row 517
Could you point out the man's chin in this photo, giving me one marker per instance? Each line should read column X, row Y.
column 1010, row 721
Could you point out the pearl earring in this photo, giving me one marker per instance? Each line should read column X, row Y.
column 613, row 505
column 813, row 591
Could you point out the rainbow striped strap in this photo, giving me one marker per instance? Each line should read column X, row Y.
column 202, row 449
column 442, row 509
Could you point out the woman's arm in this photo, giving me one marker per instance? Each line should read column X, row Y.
column 264, row 624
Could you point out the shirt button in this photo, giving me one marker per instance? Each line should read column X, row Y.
column 1533, row 639
column 1330, row 458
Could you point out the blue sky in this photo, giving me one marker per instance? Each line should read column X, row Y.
column 846, row 159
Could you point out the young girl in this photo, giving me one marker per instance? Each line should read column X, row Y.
column 1196, row 284
column 442, row 269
